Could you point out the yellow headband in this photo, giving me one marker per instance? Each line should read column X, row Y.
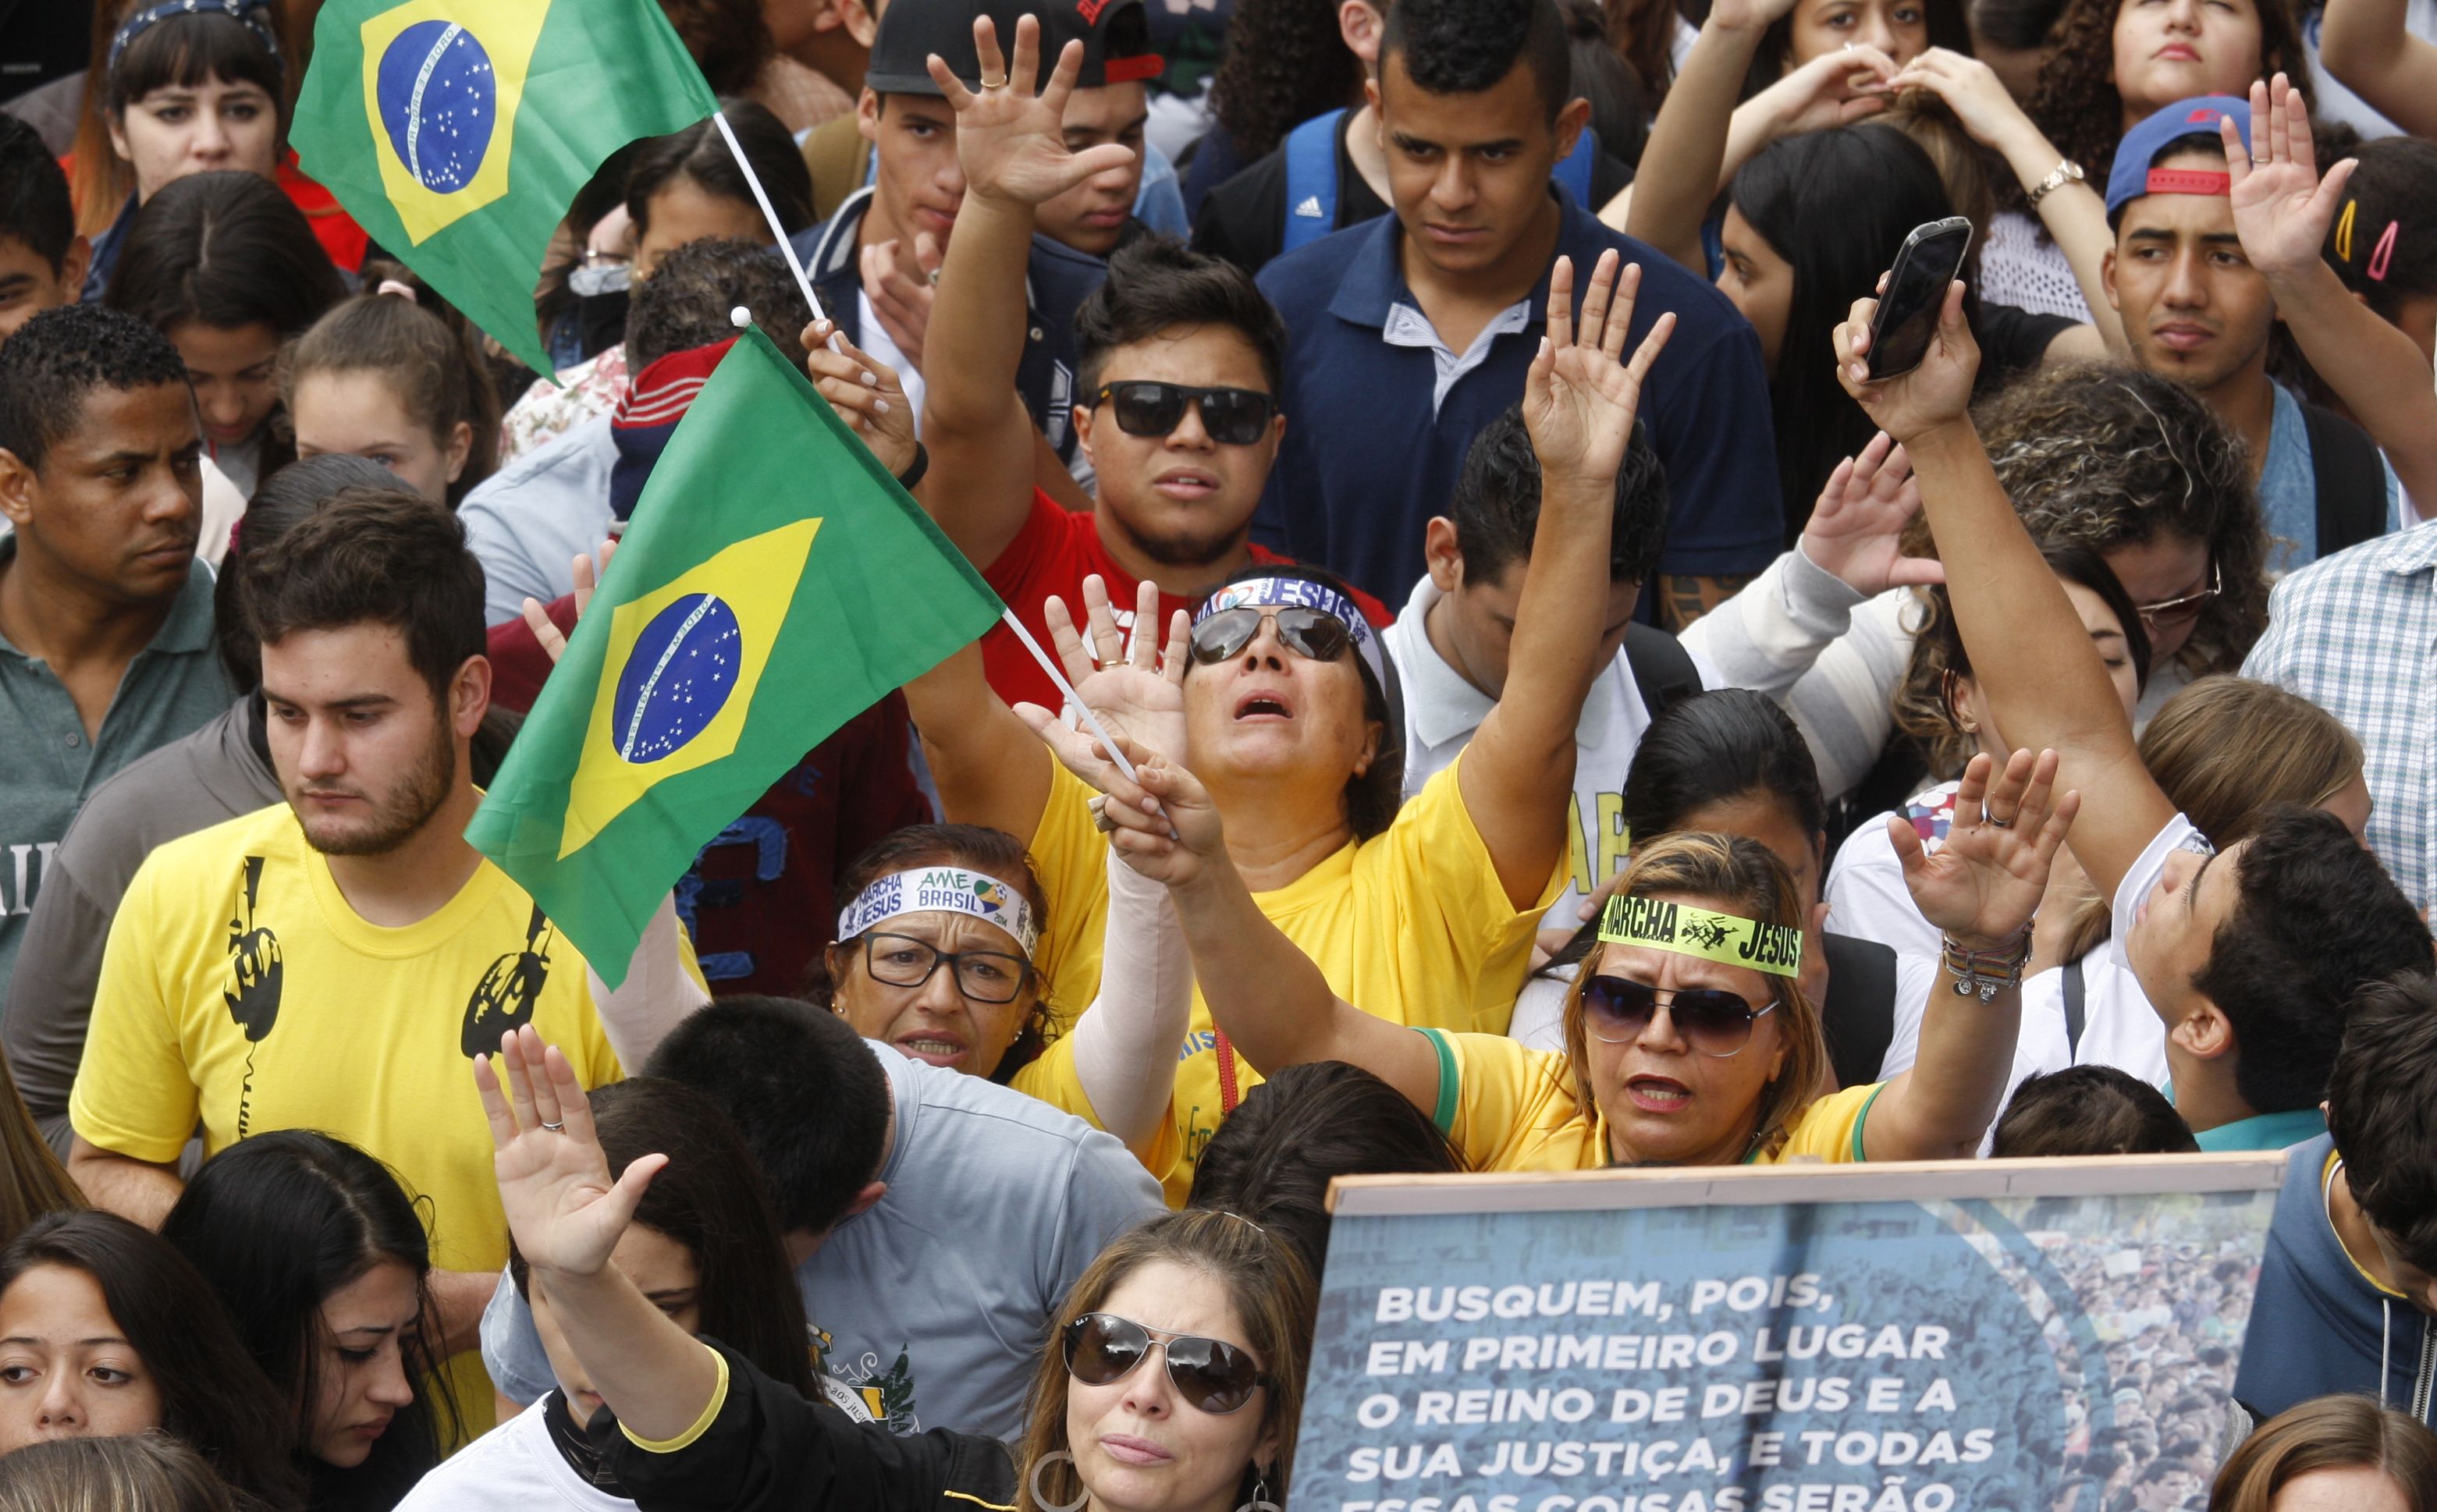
column 1721, row 937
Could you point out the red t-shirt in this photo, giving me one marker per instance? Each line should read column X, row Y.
column 1054, row 552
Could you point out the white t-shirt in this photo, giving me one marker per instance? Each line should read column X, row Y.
column 1442, row 710
column 2331, row 100
column 1866, row 893
column 875, row 340
column 514, row 1467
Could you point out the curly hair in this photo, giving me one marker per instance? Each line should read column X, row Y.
column 2076, row 104
column 2112, row 456
column 1285, row 63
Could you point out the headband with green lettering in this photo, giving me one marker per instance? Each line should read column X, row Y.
column 1737, row 942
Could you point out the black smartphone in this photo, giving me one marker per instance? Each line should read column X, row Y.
column 1907, row 314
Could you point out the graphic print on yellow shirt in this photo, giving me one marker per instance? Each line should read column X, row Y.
column 242, row 992
column 1411, row 924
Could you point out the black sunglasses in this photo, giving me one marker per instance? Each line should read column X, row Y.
column 1314, row 634
column 1213, row 1375
column 1234, row 417
column 1712, row 1021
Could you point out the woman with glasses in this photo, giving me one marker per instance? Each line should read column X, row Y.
column 936, row 958
column 1171, row 1383
column 1690, row 1038
column 1280, row 693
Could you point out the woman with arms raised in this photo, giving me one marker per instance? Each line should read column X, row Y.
column 1689, row 1039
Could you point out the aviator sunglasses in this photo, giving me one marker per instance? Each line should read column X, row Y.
column 1314, row 634
column 1234, row 417
column 1712, row 1021
column 1213, row 1376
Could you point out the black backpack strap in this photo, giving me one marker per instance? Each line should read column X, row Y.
column 1662, row 669
column 2350, row 478
column 2076, row 1006
column 1860, row 1014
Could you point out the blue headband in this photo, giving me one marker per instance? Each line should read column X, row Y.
column 247, row 13
column 1278, row 593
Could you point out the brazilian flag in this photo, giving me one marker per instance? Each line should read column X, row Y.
column 774, row 583
column 457, row 132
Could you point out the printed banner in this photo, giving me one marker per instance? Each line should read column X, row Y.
column 1964, row 1336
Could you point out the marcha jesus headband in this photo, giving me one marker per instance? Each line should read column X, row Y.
column 949, row 888
column 1721, row 937
column 1279, row 593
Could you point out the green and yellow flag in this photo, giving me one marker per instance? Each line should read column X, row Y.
column 775, row 582
column 457, row 132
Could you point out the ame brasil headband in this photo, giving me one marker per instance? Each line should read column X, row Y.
column 948, row 889
column 1301, row 593
column 1723, row 937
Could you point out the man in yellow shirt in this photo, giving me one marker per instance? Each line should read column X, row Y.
column 334, row 962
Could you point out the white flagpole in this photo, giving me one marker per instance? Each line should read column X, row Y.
column 762, row 197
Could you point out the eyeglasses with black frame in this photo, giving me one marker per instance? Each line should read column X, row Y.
column 1718, row 1023
column 1232, row 417
column 1213, row 1376
column 2168, row 613
column 985, row 976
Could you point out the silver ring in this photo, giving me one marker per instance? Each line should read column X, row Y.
column 1101, row 820
column 1993, row 819
column 2259, row 163
column 555, row 1128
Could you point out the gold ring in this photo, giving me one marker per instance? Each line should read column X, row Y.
column 999, row 82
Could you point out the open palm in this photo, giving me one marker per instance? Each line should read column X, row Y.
column 1985, row 884
column 1011, row 142
column 1855, row 531
column 1578, row 398
column 2281, row 208
column 562, row 1207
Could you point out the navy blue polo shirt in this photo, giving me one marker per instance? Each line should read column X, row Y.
column 1369, row 458
column 1057, row 279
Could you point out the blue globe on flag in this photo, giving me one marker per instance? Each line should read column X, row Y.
column 676, row 679
column 438, row 100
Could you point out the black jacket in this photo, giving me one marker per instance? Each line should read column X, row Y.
column 768, row 1449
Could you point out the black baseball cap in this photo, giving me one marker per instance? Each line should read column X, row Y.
column 1116, row 36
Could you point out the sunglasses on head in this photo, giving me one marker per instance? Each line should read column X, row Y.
column 1216, row 1376
column 1712, row 1021
column 1314, row 634
column 1232, row 417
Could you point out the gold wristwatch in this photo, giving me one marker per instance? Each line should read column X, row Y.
column 2065, row 172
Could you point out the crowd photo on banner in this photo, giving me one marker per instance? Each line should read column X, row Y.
column 743, row 740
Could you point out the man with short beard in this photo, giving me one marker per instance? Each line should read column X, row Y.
column 334, row 962
column 1175, row 394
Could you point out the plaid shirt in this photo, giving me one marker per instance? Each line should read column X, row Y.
column 2356, row 634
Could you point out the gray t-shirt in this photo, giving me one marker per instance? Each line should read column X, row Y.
column 933, row 1305
column 214, row 774
column 49, row 767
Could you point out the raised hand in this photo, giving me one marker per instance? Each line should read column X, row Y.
column 899, row 301
column 2281, row 208
column 1909, row 404
column 1136, row 688
column 1165, row 826
column 562, row 1206
column 1971, row 90
column 545, row 630
column 1984, row 885
column 1578, row 398
column 1011, row 143
column 1856, row 529
column 866, row 392
column 1833, row 88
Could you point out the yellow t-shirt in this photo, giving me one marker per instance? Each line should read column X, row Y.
column 239, row 991
column 1511, row 1108
column 1411, row 924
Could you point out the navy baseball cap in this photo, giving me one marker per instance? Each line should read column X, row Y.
column 1115, row 35
column 2131, row 176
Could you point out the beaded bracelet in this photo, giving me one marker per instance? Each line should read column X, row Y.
column 1984, row 971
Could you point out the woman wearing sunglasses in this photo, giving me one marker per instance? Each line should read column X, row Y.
column 1173, row 1383
column 1688, row 1037
column 1280, row 696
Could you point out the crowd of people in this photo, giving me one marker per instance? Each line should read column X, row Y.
column 1554, row 695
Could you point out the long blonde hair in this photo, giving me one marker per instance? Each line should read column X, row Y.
column 1274, row 1298
column 1741, row 877
column 32, row 1181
